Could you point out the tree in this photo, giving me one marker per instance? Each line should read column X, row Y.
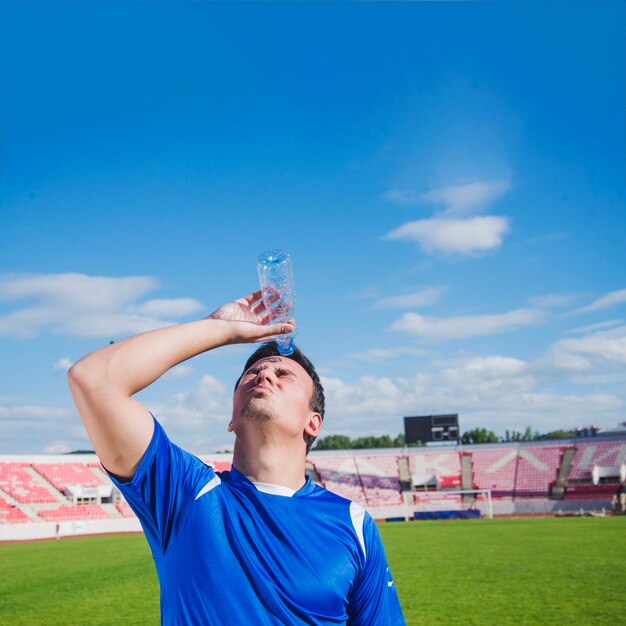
column 342, row 442
column 399, row 441
column 334, row 442
column 516, row 435
column 559, row 434
column 363, row 443
column 479, row 435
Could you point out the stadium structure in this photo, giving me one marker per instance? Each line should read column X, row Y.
column 47, row 496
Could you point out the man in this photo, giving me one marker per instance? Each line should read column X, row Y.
column 261, row 544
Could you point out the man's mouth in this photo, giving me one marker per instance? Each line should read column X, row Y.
column 260, row 388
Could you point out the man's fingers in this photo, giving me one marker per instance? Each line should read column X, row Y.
column 251, row 298
column 275, row 329
column 280, row 329
column 259, row 308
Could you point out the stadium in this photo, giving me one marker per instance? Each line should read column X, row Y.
column 532, row 489
column 441, row 186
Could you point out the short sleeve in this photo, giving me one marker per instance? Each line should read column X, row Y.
column 163, row 488
column 373, row 600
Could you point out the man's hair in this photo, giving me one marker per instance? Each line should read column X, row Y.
column 317, row 401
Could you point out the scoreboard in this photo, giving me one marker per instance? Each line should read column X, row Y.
column 427, row 428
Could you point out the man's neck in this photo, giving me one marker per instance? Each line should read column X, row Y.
column 270, row 463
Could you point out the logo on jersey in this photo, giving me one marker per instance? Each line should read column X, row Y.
column 389, row 582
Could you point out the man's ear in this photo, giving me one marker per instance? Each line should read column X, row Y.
column 313, row 425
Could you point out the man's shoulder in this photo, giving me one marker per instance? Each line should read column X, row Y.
column 347, row 514
column 343, row 507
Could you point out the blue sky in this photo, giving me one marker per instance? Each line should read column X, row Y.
column 449, row 178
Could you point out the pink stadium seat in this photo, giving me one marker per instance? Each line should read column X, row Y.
column 379, row 478
column 18, row 483
column 10, row 514
column 495, row 468
column 537, row 469
column 339, row 474
column 596, row 452
column 68, row 512
column 443, row 463
column 61, row 475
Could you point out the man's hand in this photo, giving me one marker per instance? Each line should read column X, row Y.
column 247, row 320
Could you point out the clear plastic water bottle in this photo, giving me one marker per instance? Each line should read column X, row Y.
column 276, row 278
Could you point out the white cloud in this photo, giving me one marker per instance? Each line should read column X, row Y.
column 610, row 299
column 88, row 293
column 458, row 327
column 375, row 354
column 493, row 391
column 611, row 378
column 29, row 428
column 605, row 346
column 197, row 419
column 554, row 300
column 483, row 378
column 466, row 199
column 496, row 392
column 109, row 325
column 58, row 447
column 180, row 371
column 561, row 359
column 174, row 307
column 457, row 200
column 31, row 412
column 463, row 236
column 422, row 298
column 494, row 366
column 369, row 397
column 85, row 306
column 64, row 363
column 593, row 327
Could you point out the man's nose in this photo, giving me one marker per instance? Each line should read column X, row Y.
column 265, row 374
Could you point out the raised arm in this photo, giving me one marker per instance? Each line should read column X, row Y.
column 103, row 382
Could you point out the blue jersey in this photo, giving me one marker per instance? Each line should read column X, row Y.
column 235, row 553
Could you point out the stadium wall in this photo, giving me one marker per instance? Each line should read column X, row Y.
column 47, row 530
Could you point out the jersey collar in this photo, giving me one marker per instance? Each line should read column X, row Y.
column 274, row 490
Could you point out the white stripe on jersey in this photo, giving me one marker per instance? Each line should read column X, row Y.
column 214, row 482
column 357, row 514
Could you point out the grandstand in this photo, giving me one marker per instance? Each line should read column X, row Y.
column 18, row 481
column 62, row 475
column 39, row 493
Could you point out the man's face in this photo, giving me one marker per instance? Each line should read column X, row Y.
column 274, row 389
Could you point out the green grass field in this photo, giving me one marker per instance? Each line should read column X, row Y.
column 517, row 571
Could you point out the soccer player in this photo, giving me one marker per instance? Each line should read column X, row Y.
column 258, row 545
